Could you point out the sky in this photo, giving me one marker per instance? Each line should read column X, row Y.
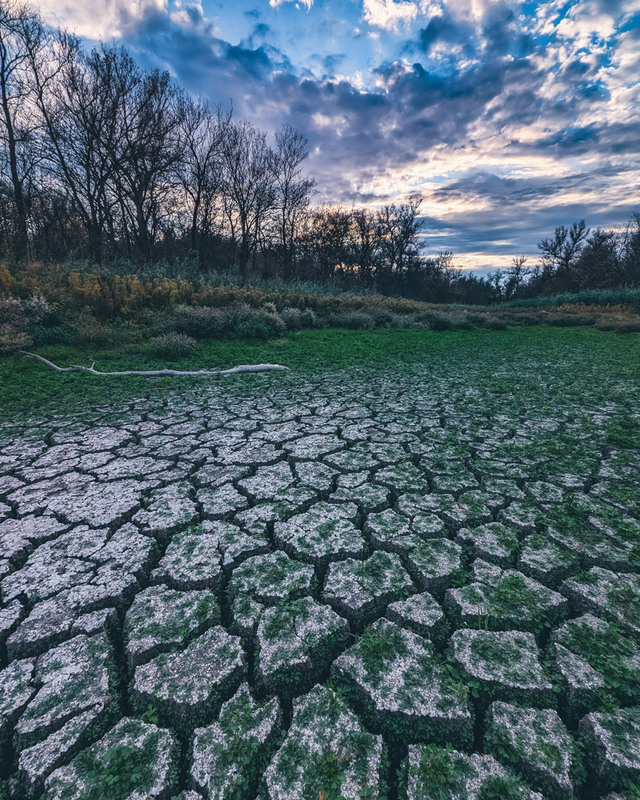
column 509, row 117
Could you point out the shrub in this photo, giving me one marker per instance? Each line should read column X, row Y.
column 255, row 323
column 13, row 325
column 493, row 324
column 155, row 323
column 439, row 322
column 39, row 310
column 353, row 320
column 383, row 318
column 12, row 312
column 296, row 318
column 292, row 318
column 624, row 295
column 309, row 318
column 12, row 339
column 463, row 325
column 202, row 322
column 529, row 319
column 44, row 335
column 173, row 345
column 629, row 327
column 86, row 329
column 571, row 320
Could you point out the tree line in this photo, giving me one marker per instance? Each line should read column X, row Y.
column 104, row 159
column 575, row 258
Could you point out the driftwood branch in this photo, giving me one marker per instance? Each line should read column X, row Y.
column 157, row 373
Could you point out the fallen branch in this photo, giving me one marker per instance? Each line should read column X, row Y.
column 157, row 373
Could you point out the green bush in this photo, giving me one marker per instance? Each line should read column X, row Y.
column 439, row 322
column 202, row 322
column 384, row 318
column 353, row 320
column 508, row 787
column 629, row 327
column 495, row 324
column 292, row 318
column 309, row 318
column 255, row 323
column 155, row 322
column 622, row 296
column 43, row 335
column 571, row 321
column 86, row 329
column 173, row 345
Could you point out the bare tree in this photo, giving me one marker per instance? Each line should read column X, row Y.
column 143, row 148
column 79, row 117
column 200, row 169
column 560, row 253
column 516, row 276
column 630, row 249
column 293, row 190
column 399, row 227
column 18, row 124
column 247, row 185
column 366, row 242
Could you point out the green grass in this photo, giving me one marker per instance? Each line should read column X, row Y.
column 551, row 363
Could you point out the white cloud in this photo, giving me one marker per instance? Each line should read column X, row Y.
column 389, row 14
column 306, row 3
column 100, row 19
column 470, row 9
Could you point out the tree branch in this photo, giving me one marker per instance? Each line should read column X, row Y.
column 158, row 373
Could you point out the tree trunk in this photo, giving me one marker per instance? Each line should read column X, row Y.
column 21, row 235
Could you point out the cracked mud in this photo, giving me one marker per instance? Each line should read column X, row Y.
column 395, row 587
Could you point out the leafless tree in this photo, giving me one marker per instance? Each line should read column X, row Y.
column 516, row 276
column 366, row 244
column 79, row 116
column 19, row 24
column 248, row 186
column 398, row 230
column 202, row 133
column 144, row 147
column 560, row 253
column 293, row 190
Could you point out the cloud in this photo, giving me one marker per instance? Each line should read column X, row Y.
column 389, row 15
column 508, row 124
column 306, row 3
column 101, row 19
column 441, row 28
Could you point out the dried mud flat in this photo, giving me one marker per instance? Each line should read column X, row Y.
column 408, row 586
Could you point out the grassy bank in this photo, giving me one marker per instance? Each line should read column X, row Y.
column 509, row 356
